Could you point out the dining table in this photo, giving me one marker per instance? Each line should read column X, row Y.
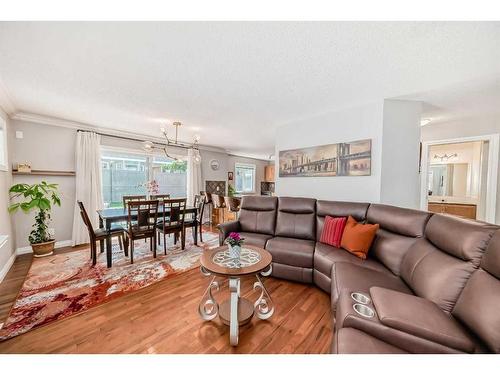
column 108, row 216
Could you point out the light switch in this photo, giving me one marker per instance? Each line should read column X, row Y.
column 19, row 134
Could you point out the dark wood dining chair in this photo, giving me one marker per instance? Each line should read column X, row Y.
column 218, row 205
column 141, row 223
column 209, row 204
column 130, row 198
column 233, row 204
column 195, row 221
column 102, row 234
column 174, row 211
column 159, row 196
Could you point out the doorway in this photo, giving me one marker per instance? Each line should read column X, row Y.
column 459, row 177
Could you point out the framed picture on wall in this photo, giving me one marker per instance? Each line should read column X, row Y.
column 337, row 159
column 230, row 176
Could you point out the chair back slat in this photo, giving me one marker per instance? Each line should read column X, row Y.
column 145, row 213
column 85, row 218
column 208, row 197
column 232, row 203
column 174, row 211
column 160, row 197
column 130, row 198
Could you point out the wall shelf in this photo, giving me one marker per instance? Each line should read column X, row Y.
column 39, row 172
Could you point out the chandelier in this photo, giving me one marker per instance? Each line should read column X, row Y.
column 445, row 156
column 149, row 146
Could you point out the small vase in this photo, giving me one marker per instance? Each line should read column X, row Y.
column 234, row 251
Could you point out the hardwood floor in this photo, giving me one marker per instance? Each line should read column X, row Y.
column 163, row 318
column 12, row 283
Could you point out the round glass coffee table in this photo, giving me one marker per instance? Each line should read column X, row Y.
column 236, row 310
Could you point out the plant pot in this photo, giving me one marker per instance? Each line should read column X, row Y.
column 234, row 251
column 43, row 249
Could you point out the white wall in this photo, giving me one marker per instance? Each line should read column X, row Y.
column 333, row 127
column 465, row 127
column 400, row 180
column 393, row 127
column 47, row 148
column 7, row 251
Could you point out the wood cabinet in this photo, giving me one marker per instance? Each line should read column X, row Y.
column 463, row 210
column 269, row 173
column 221, row 215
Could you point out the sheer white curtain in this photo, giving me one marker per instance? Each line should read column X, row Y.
column 88, row 183
column 193, row 177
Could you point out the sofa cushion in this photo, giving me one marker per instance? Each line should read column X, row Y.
column 462, row 238
column 256, row 239
column 419, row 317
column 479, row 304
column 333, row 230
column 296, row 218
column 399, row 229
column 291, row 251
column 358, row 238
column 390, row 249
column 258, row 214
column 354, row 341
column 435, row 275
column 360, row 279
column 440, row 274
column 326, row 255
column 403, row 221
column 299, row 274
column 338, row 209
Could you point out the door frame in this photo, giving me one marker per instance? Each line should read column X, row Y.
column 492, row 174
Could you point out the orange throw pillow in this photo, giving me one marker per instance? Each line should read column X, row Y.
column 357, row 237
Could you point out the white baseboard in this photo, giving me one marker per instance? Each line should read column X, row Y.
column 7, row 266
column 28, row 250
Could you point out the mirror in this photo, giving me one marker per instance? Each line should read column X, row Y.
column 448, row 179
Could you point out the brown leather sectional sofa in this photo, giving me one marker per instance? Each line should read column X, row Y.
column 432, row 281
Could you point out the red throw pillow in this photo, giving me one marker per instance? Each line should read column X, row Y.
column 358, row 237
column 332, row 230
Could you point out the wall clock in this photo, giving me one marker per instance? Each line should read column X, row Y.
column 214, row 164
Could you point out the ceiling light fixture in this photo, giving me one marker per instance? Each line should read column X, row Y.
column 149, row 146
column 445, row 156
column 425, row 121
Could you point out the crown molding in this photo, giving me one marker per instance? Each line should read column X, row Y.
column 55, row 121
column 6, row 102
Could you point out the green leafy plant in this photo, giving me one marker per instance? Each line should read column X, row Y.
column 39, row 197
column 231, row 191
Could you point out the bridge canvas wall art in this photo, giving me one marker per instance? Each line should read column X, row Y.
column 338, row 159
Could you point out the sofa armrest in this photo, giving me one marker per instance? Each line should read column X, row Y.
column 226, row 228
column 419, row 317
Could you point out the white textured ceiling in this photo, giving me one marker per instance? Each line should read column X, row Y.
column 233, row 83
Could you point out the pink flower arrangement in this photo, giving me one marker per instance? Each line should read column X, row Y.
column 152, row 187
column 234, row 239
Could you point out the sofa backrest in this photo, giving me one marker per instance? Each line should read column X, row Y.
column 258, row 214
column 399, row 229
column 338, row 209
column 438, row 266
column 478, row 306
column 296, row 218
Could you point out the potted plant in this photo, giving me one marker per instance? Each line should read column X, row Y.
column 37, row 197
column 231, row 191
column 234, row 242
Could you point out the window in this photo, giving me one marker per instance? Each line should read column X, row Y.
column 3, row 145
column 127, row 173
column 245, row 178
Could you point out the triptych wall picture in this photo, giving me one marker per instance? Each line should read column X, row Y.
column 338, row 159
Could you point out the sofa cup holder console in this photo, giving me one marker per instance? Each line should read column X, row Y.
column 360, row 298
column 363, row 310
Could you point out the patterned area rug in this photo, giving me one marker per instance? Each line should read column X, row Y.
column 64, row 284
